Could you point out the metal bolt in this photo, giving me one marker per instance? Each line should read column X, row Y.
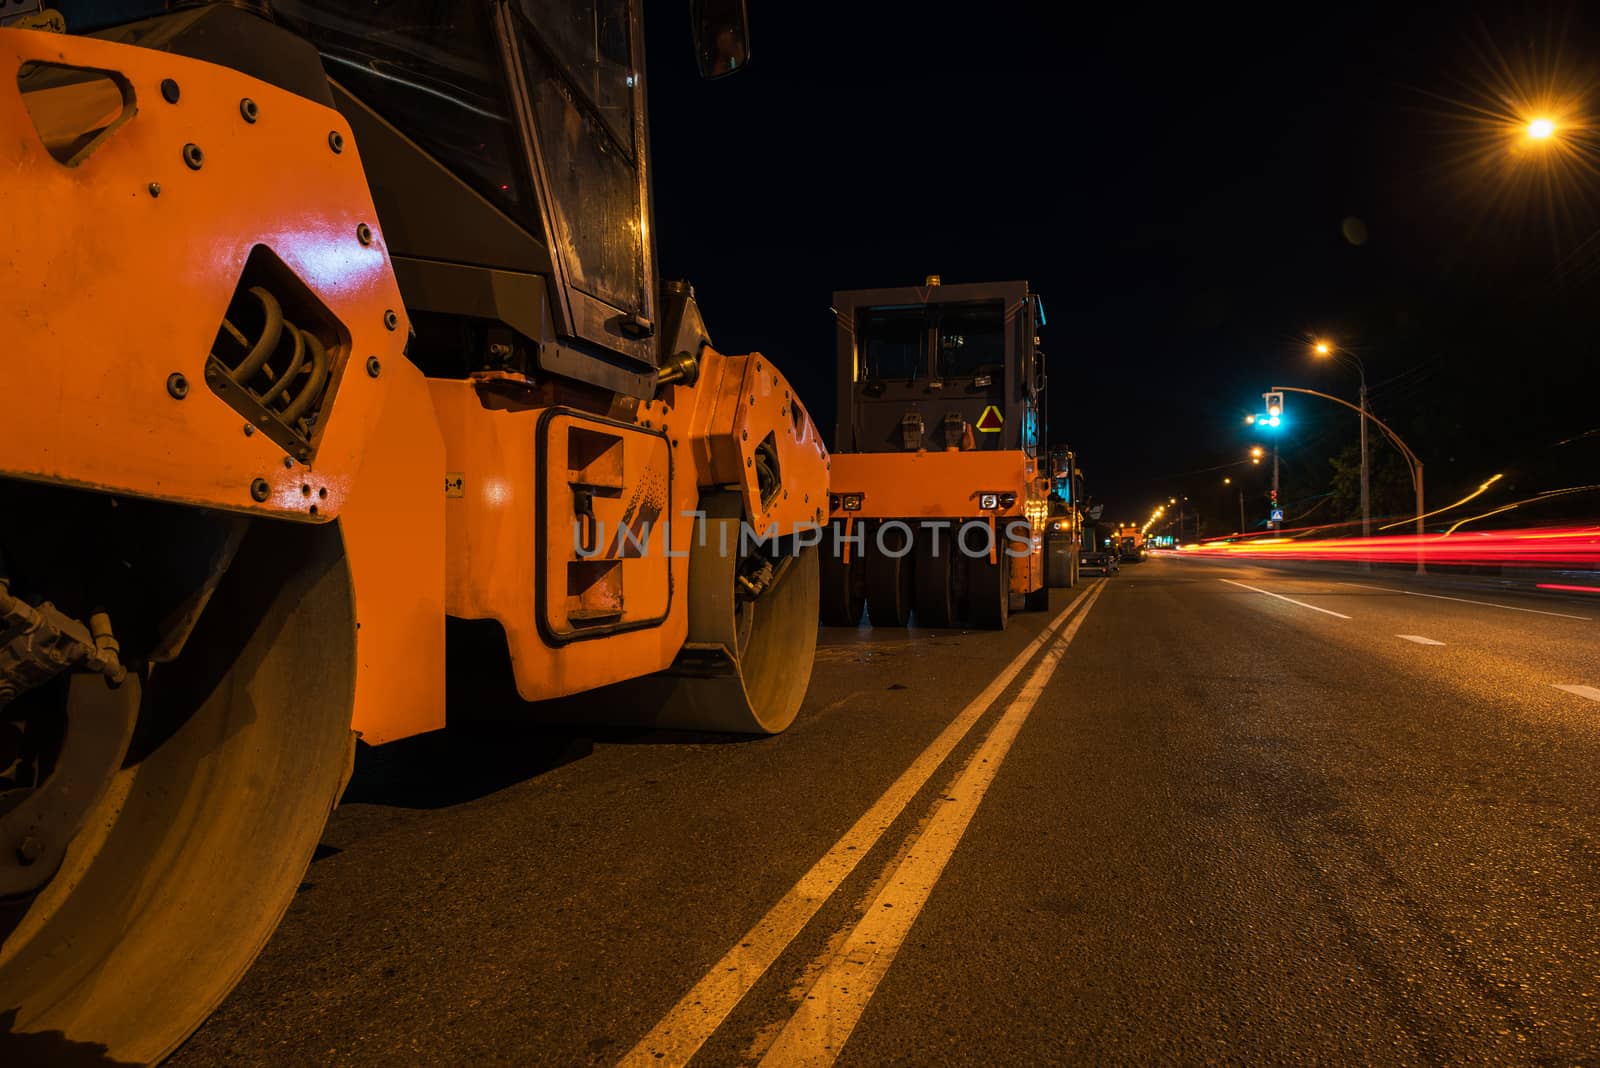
column 364, row 234
column 336, row 141
column 390, row 319
column 744, row 435
column 288, row 461
column 29, row 849
column 260, row 490
column 749, row 461
column 249, row 431
column 177, row 385
column 248, row 109
column 374, row 368
column 155, row 189
column 169, row 90
column 193, row 156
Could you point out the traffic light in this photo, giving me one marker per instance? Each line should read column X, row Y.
column 1274, row 407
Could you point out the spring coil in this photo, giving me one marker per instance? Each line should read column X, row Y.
column 285, row 368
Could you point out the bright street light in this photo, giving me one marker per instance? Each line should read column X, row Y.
column 1256, row 452
column 1541, row 129
column 1322, row 348
column 1227, row 481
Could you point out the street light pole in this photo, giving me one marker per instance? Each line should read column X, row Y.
column 1241, row 509
column 1325, row 348
column 1411, row 458
column 1366, row 506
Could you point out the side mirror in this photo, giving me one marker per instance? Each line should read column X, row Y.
column 721, row 36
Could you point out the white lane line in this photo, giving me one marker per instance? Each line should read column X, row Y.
column 1582, row 691
column 817, row 1032
column 1463, row 600
column 1419, row 639
column 1291, row 600
column 699, row 1013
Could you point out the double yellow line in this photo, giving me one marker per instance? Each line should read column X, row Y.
column 847, row 979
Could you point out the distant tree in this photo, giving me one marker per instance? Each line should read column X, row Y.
column 1392, row 495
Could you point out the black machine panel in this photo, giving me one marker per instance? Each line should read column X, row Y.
column 939, row 366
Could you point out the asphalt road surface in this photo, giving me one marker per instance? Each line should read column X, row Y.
column 1195, row 812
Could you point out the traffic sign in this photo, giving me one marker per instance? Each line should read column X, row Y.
column 1277, row 515
column 990, row 421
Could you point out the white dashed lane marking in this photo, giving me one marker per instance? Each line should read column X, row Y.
column 1582, row 691
column 1419, row 639
column 1291, row 600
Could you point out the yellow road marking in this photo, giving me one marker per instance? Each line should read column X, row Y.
column 685, row 1028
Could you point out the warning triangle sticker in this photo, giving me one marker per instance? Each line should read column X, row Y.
column 990, row 421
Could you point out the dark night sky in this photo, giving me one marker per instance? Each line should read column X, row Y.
column 1174, row 186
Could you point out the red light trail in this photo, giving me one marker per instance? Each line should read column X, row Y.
column 1532, row 547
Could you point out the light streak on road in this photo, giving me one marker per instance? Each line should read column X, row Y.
column 1532, row 547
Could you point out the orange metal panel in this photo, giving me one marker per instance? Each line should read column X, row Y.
column 494, row 537
column 493, row 540
column 736, row 403
column 393, row 527
column 119, row 270
column 934, row 485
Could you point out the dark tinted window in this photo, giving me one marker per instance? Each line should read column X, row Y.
column 590, row 41
column 587, row 147
column 892, row 343
column 432, row 68
column 972, row 339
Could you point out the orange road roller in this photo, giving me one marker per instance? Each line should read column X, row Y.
column 335, row 357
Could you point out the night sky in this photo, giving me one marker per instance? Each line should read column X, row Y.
column 1176, row 187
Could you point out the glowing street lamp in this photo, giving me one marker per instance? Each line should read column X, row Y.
column 1541, row 129
column 1323, row 347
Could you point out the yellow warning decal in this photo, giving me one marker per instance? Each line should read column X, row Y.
column 990, row 421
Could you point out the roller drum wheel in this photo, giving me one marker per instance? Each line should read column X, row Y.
column 747, row 662
column 200, row 840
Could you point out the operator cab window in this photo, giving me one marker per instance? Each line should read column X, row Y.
column 433, row 70
column 893, row 345
column 972, row 339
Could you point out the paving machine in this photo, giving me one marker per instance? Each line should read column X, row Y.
column 338, row 376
